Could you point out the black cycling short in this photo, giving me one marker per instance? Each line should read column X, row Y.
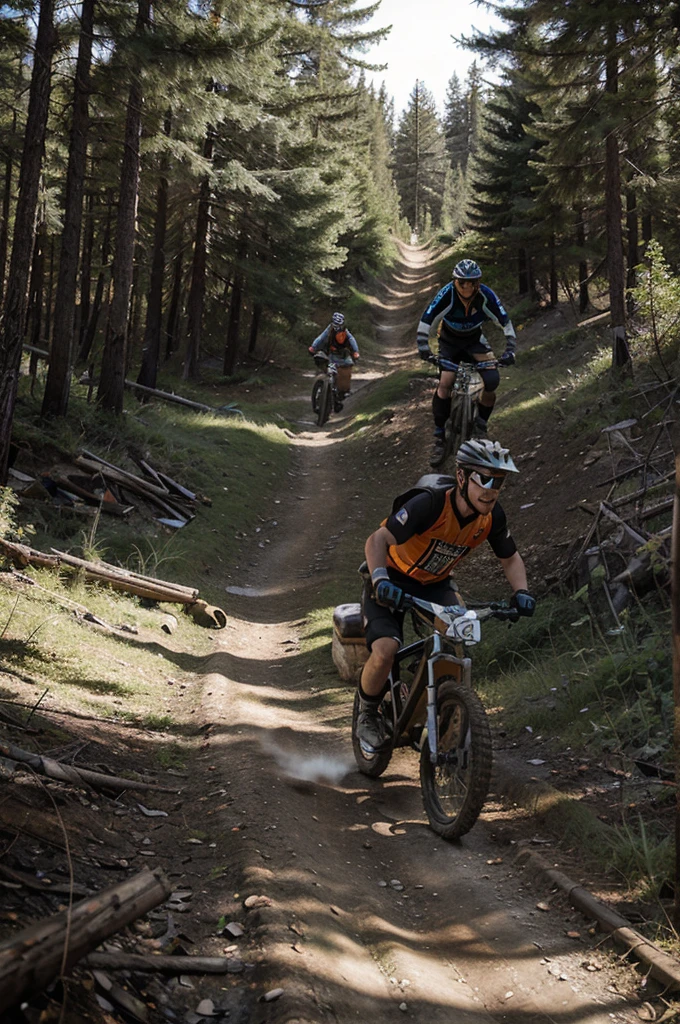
column 455, row 347
column 380, row 621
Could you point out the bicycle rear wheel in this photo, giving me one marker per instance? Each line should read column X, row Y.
column 325, row 403
column 368, row 764
column 454, row 789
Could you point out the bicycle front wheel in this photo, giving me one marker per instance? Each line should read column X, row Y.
column 317, row 388
column 325, row 403
column 460, row 423
column 454, row 789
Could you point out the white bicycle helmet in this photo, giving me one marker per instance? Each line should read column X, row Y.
column 485, row 454
column 338, row 320
column 467, row 270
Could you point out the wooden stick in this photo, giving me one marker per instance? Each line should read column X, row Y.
column 22, row 555
column 33, row 957
column 117, row 572
column 166, row 964
column 76, row 776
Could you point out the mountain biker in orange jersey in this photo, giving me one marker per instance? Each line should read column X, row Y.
column 463, row 306
column 414, row 551
column 339, row 345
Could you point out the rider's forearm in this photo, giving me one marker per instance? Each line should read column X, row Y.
column 376, row 548
column 515, row 571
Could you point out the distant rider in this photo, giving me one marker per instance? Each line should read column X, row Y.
column 414, row 551
column 464, row 306
column 339, row 345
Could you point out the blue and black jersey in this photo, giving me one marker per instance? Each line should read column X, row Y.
column 462, row 319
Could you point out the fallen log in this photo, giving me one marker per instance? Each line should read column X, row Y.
column 76, row 776
column 36, row 955
column 23, row 555
column 165, row 964
column 106, row 571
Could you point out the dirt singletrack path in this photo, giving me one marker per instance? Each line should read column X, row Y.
column 372, row 916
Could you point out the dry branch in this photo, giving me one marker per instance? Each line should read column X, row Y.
column 31, row 959
column 166, row 964
column 76, row 776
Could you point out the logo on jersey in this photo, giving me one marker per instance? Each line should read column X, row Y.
column 442, row 555
column 401, row 516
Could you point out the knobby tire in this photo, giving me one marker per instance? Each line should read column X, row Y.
column 325, row 403
column 368, row 764
column 454, row 793
column 316, row 391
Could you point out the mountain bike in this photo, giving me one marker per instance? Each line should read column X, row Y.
column 324, row 390
column 431, row 706
column 464, row 393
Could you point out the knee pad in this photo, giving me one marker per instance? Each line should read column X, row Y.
column 491, row 378
column 441, row 407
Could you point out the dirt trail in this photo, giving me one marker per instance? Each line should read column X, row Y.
column 371, row 913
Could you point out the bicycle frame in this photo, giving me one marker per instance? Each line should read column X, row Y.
column 433, row 652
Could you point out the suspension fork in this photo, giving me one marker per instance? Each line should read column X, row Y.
column 436, row 658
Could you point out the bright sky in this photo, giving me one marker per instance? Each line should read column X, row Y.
column 420, row 45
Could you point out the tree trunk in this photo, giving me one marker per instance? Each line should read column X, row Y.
column 4, row 227
column 621, row 361
column 13, row 321
column 91, row 328
column 553, row 274
column 172, row 327
column 57, row 388
column 34, row 313
column 583, row 297
column 633, row 246
column 232, row 342
column 148, row 371
column 83, row 310
column 198, row 265
column 135, row 317
column 254, row 327
column 112, row 376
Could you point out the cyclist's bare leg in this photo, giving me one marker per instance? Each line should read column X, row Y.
column 377, row 669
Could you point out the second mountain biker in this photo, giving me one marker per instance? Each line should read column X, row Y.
column 339, row 345
column 464, row 306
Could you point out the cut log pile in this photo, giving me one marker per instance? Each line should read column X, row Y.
column 627, row 548
column 92, row 484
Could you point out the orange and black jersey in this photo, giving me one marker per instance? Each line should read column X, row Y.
column 432, row 537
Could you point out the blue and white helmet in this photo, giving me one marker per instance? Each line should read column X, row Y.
column 467, row 270
column 338, row 320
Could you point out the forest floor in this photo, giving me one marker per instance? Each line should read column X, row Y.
column 362, row 912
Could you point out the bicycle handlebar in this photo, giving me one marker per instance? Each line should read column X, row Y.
column 485, row 610
column 446, row 364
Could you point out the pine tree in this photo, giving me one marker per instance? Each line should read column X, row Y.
column 420, row 161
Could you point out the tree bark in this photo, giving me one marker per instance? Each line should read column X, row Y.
column 58, row 385
column 36, row 955
column 633, row 246
column 4, row 226
column 83, row 310
column 13, row 322
column 148, row 371
column 621, row 361
column 583, row 296
column 172, row 327
column 112, row 377
column 197, row 288
column 254, row 327
column 90, row 329
column 231, row 347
